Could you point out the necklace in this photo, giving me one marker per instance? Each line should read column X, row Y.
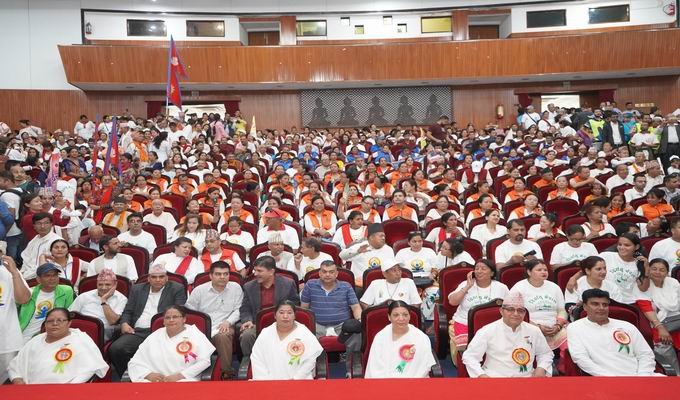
column 391, row 295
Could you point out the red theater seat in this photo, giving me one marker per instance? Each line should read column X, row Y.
column 449, row 279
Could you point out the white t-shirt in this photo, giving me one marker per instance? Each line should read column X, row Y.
column 10, row 330
column 43, row 304
column 144, row 239
column 307, row 264
column 544, row 303
column 380, row 291
column 482, row 234
column 669, row 250
column 476, row 296
column 420, row 263
column 507, row 249
column 563, row 253
column 582, row 285
column 623, row 274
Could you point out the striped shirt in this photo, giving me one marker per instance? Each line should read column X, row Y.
column 330, row 308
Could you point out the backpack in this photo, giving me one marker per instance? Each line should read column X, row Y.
column 21, row 204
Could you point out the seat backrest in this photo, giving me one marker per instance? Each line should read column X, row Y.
column 376, row 273
column 82, row 252
column 34, row 282
column 576, row 219
column 94, row 327
column 333, row 250
column 403, row 243
column 374, row 319
column 193, row 317
column 485, row 314
column 140, row 255
column 237, row 248
column 181, row 279
column 648, row 242
column 265, row 318
column 561, row 275
column 90, row 283
column 397, row 229
column 601, row 243
column 473, row 247
column 530, row 221
column 449, row 279
column 157, row 231
column 491, row 246
column 344, row 275
column 547, row 244
column 562, row 208
column 511, row 274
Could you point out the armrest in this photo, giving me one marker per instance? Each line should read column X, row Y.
column 322, row 366
column 441, row 331
column 243, row 367
column 355, row 362
column 436, row 370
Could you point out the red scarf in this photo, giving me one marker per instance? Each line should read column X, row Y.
column 347, row 235
column 443, row 235
column 184, row 265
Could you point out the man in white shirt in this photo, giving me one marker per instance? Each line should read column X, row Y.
column 308, row 258
column 669, row 248
column 638, row 189
column 13, row 291
column 393, row 287
column 84, row 128
column 161, row 217
column 603, row 346
column 516, row 249
column 111, row 258
column 276, row 226
column 510, row 345
column 368, row 254
column 654, row 175
column 136, row 235
column 39, row 245
column 622, row 177
column 105, row 303
column 600, row 168
column 221, row 299
column 530, row 118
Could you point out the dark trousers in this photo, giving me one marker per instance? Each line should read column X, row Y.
column 122, row 350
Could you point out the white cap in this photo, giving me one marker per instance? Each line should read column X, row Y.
column 476, row 166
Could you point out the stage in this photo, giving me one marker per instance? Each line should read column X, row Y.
column 562, row 388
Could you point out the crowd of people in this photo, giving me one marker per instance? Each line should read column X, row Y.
column 233, row 224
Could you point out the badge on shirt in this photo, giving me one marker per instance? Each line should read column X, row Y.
column 374, row 262
column 62, row 356
column 406, row 353
column 184, row 349
column 42, row 308
column 623, row 339
column 521, row 357
column 295, row 350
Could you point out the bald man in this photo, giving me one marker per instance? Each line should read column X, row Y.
column 161, row 217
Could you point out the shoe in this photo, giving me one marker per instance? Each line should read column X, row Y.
column 227, row 375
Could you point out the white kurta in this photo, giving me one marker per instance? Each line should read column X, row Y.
column 595, row 349
column 379, row 291
column 34, row 249
column 669, row 250
column 666, row 299
column 410, row 356
column 291, row 358
column 79, row 357
column 188, row 353
column 307, row 264
column 563, row 253
column 172, row 262
column 499, row 342
column 289, row 235
column 245, row 239
column 361, row 262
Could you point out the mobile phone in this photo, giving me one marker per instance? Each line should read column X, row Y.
column 531, row 253
column 473, row 275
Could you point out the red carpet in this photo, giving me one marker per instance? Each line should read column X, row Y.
column 562, row 388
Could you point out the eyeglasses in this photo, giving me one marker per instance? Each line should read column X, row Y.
column 515, row 310
column 57, row 321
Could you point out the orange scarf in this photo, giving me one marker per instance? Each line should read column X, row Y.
column 143, row 155
column 394, row 212
column 324, row 223
column 122, row 219
column 226, row 256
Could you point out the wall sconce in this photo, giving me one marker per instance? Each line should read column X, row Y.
column 500, row 111
column 88, row 28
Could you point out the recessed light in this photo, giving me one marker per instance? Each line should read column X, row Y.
column 425, row 83
column 475, row 81
column 525, row 79
column 377, row 84
column 631, row 74
column 577, row 77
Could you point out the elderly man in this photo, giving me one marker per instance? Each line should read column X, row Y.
column 603, row 346
column 118, row 217
column 145, row 301
column 275, row 226
column 106, row 303
column 159, row 216
column 213, row 252
column 181, row 261
column 47, row 295
column 39, row 245
column 516, row 249
column 136, row 236
column 622, row 177
column 308, row 258
column 94, row 235
column 368, row 254
column 111, row 258
column 510, row 345
column 393, row 287
column 654, row 175
column 266, row 290
column 221, row 299
column 13, row 291
column 277, row 250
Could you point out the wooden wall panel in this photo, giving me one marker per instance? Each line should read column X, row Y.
column 312, row 42
column 272, row 110
column 459, row 24
column 164, row 43
column 456, row 59
column 593, row 30
column 288, row 30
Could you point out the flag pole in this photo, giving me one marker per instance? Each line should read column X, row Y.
column 167, row 87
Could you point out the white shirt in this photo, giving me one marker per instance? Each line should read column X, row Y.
column 563, row 253
column 482, row 234
column 633, row 194
column 220, row 306
column 289, row 235
column 284, row 258
column 127, row 266
column 545, row 304
column 163, row 354
column 10, row 330
column 379, row 291
column 85, row 130
column 355, row 234
column 37, row 360
column 89, row 303
column 386, row 358
column 165, row 220
column 616, row 180
column 150, row 309
column 507, row 249
column 172, row 262
column 666, row 299
column 34, row 249
column 623, row 274
column 498, row 342
column 476, row 296
column 595, row 350
column 607, row 229
column 361, row 262
column 13, row 200
column 245, row 239
column 443, row 261
column 669, row 250
column 144, row 239
column 290, row 358
column 582, row 285
column 420, row 263
column 307, row 264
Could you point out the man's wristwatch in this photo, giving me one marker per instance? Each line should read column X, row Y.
column 103, row 303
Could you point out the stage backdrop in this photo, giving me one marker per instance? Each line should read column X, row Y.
column 382, row 107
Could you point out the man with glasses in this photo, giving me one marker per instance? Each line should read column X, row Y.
column 145, row 300
column 603, row 346
column 510, row 344
column 574, row 249
column 516, row 249
column 39, row 245
column 136, row 236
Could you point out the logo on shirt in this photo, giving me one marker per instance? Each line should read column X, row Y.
column 417, row 266
column 374, row 262
column 42, row 308
column 1, row 290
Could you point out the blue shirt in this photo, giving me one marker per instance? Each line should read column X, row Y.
column 330, row 308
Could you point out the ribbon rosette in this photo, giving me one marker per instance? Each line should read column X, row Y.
column 295, row 350
column 623, row 340
column 521, row 357
column 184, row 348
column 406, row 353
column 62, row 356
